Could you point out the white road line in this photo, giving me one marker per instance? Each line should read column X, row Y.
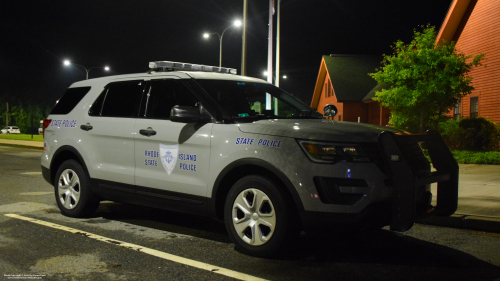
column 149, row 251
column 36, row 193
column 32, row 173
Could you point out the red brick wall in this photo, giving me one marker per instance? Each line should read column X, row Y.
column 481, row 34
column 355, row 109
column 373, row 113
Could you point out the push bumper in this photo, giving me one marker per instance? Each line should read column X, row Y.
column 407, row 179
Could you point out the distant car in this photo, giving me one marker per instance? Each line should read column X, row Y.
column 10, row 130
column 40, row 129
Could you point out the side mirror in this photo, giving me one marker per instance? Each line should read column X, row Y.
column 330, row 110
column 188, row 114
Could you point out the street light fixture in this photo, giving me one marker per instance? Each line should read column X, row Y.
column 67, row 62
column 207, row 35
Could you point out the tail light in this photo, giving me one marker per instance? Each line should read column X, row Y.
column 45, row 124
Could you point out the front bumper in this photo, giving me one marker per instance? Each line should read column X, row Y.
column 406, row 177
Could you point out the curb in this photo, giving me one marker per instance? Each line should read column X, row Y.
column 27, row 144
column 488, row 224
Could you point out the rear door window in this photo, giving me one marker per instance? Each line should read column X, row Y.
column 119, row 99
column 69, row 100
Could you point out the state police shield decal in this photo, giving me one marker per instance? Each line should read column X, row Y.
column 168, row 156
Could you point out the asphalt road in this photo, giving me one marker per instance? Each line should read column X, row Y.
column 170, row 246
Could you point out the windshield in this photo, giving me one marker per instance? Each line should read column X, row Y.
column 247, row 100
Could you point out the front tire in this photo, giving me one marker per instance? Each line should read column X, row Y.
column 72, row 190
column 260, row 217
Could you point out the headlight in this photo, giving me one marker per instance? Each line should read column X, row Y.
column 322, row 152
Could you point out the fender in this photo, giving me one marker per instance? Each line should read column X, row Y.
column 60, row 150
column 259, row 163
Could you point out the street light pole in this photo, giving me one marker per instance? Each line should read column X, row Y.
column 244, row 40
column 206, row 35
column 67, row 62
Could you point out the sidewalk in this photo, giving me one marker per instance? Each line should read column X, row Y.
column 478, row 199
column 478, row 195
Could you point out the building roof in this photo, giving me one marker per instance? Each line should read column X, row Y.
column 455, row 20
column 349, row 76
column 369, row 97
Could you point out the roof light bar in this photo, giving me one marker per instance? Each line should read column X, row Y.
column 170, row 65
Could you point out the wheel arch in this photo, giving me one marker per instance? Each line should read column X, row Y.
column 244, row 167
column 62, row 154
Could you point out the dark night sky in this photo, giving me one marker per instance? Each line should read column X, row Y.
column 36, row 36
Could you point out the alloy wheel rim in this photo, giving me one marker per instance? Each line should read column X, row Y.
column 69, row 189
column 254, row 218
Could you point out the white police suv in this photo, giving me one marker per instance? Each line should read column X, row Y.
column 201, row 140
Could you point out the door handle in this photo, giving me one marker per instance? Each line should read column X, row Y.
column 86, row 127
column 147, row 132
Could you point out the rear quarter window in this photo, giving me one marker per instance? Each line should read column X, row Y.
column 69, row 100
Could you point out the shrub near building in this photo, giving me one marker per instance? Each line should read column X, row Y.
column 473, row 140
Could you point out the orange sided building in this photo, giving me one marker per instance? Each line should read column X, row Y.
column 343, row 81
column 475, row 27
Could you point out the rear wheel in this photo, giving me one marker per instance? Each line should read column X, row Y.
column 259, row 216
column 72, row 189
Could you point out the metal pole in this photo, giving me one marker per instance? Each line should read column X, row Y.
column 277, row 79
column 220, row 51
column 244, row 40
column 270, row 54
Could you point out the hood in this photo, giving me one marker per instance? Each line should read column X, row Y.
column 317, row 129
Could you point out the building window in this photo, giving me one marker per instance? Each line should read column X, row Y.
column 474, row 107
column 457, row 110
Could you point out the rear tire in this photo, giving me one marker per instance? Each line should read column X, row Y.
column 260, row 217
column 72, row 190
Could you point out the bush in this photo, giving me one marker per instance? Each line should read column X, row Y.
column 451, row 133
column 473, row 157
column 479, row 134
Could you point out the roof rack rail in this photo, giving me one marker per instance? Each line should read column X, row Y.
column 172, row 66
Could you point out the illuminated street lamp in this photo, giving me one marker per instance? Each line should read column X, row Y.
column 67, row 62
column 207, row 35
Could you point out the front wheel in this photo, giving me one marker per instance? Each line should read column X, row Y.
column 259, row 216
column 72, row 189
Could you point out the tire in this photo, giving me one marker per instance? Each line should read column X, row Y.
column 72, row 190
column 260, row 217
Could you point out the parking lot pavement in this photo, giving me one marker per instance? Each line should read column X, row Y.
column 40, row 243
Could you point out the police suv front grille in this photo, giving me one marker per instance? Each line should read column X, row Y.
column 374, row 153
column 329, row 190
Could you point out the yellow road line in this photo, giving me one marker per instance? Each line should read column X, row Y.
column 149, row 251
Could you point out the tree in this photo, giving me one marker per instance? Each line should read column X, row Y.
column 425, row 80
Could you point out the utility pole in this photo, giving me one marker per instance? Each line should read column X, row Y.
column 244, row 40
column 7, row 116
